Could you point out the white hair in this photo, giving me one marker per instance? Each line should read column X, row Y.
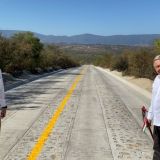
column 156, row 58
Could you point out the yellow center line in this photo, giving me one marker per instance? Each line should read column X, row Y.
column 46, row 132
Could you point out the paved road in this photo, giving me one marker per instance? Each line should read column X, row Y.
column 100, row 121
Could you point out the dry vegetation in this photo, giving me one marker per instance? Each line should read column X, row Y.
column 130, row 60
column 24, row 51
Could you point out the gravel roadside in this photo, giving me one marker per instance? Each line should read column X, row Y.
column 12, row 82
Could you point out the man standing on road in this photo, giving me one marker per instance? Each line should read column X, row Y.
column 3, row 106
column 154, row 110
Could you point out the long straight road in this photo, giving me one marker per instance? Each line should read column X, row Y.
column 100, row 118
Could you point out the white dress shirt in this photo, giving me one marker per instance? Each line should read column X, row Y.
column 154, row 110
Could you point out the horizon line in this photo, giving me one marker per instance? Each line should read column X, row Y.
column 134, row 34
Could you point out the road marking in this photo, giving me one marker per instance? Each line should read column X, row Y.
column 46, row 132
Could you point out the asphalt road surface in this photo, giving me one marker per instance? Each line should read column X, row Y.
column 100, row 118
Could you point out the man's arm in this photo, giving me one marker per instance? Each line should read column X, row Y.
column 150, row 114
column 150, row 111
column 3, row 111
column 155, row 99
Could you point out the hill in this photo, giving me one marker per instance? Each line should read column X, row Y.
column 132, row 40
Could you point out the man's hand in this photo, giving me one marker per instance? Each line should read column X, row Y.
column 148, row 122
column 3, row 112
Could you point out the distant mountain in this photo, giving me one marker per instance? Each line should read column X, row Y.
column 133, row 40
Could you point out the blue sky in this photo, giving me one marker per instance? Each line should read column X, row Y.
column 72, row 17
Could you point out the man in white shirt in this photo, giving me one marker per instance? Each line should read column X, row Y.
column 154, row 110
column 3, row 106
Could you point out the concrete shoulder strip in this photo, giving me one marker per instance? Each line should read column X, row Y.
column 135, row 87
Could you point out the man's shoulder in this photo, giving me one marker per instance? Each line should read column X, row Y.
column 156, row 80
column 157, row 77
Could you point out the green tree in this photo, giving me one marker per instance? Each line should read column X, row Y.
column 31, row 47
column 140, row 64
column 5, row 52
column 157, row 44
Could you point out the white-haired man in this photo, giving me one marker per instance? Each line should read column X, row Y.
column 154, row 110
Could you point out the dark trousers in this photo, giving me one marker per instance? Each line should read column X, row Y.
column 156, row 146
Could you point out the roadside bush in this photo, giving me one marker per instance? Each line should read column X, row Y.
column 119, row 63
column 24, row 51
column 140, row 64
